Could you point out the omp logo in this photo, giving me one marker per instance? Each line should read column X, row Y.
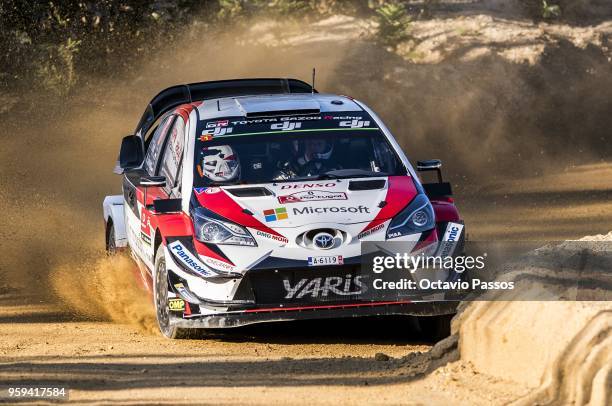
column 187, row 258
column 217, row 131
column 355, row 123
column 322, row 287
column 286, row 126
column 176, row 305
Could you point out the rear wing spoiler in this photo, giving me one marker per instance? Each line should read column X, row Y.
column 181, row 94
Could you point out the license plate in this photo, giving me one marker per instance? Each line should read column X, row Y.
column 329, row 260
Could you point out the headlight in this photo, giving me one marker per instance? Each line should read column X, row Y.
column 216, row 231
column 417, row 217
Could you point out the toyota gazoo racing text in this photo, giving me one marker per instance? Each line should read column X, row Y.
column 249, row 200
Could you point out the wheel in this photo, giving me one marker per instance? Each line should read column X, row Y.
column 160, row 293
column 435, row 328
column 111, row 247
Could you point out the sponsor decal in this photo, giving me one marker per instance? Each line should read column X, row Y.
column 278, row 238
column 280, row 213
column 185, row 293
column 145, row 226
column 275, row 120
column 146, row 238
column 219, row 265
column 329, row 260
column 176, row 305
column 286, row 126
column 371, row 231
column 219, row 123
column 451, row 236
column 329, row 117
column 205, row 138
column 207, row 190
column 309, row 185
column 453, row 231
column 312, row 196
column 354, row 123
column 187, row 258
column 218, row 131
column 322, row 287
column 212, row 190
column 321, row 210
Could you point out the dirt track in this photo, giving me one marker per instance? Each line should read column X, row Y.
column 68, row 317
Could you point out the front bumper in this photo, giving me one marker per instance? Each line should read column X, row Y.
column 347, row 310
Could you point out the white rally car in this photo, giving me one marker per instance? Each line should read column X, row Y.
column 248, row 200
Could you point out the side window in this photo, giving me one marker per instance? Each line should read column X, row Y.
column 173, row 153
column 156, row 144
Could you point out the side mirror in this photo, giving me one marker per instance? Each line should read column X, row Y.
column 431, row 165
column 131, row 153
column 435, row 190
column 153, row 181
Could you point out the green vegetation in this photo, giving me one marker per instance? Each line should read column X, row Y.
column 393, row 23
column 550, row 10
column 50, row 46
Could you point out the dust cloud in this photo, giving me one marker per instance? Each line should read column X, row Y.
column 486, row 118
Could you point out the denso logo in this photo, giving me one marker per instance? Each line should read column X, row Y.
column 322, row 287
column 308, row 185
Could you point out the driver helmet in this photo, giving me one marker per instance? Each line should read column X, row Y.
column 220, row 163
column 318, row 148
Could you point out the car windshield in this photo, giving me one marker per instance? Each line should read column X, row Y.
column 231, row 151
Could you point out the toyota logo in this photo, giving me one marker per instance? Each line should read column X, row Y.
column 323, row 241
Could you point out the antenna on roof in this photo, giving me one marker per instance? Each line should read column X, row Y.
column 314, row 72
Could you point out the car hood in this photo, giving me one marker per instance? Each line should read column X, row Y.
column 295, row 204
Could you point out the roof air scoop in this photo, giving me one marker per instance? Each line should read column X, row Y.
column 274, row 107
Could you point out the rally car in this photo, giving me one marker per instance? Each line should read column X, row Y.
column 249, row 201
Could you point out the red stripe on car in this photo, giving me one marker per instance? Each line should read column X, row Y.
column 222, row 204
column 400, row 192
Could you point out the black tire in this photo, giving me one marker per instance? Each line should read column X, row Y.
column 111, row 247
column 435, row 328
column 160, row 296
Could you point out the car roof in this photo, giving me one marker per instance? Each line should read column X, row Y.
column 275, row 105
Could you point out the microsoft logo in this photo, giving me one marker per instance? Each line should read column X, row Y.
column 279, row 213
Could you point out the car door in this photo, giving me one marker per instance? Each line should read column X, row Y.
column 138, row 215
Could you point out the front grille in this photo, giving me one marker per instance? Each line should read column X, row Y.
column 306, row 286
